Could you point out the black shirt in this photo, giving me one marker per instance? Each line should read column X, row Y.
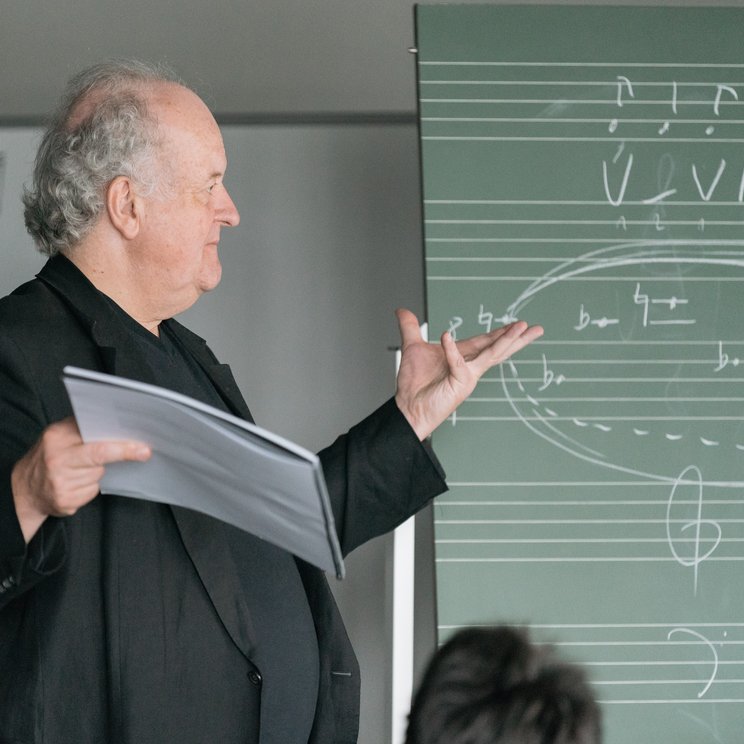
column 285, row 651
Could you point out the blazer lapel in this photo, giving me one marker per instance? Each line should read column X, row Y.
column 220, row 374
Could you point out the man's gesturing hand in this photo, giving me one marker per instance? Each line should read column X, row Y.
column 434, row 380
column 61, row 473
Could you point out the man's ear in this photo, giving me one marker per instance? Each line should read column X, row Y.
column 124, row 207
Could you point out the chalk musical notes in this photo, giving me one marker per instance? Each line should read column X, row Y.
column 705, row 194
column 713, row 95
column 617, row 200
column 549, row 376
column 670, row 302
column 709, row 645
column 724, row 359
column 703, row 545
column 454, row 323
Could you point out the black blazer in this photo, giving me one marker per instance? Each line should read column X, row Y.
column 64, row 609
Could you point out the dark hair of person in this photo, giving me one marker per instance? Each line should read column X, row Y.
column 493, row 686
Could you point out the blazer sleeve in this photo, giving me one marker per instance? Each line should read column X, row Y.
column 378, row 475
column 21, row 420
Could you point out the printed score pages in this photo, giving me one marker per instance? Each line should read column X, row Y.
column 209, row 461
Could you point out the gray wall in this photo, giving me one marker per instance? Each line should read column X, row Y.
column 257, row 57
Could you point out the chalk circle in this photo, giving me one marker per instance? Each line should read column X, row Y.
column 655, row 449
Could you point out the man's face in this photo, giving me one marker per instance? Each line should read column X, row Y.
column 175, row 255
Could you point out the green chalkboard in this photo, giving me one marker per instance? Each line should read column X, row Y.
column 583, row 168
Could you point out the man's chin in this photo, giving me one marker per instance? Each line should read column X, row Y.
column 211, row 275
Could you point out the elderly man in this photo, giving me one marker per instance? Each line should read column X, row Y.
column 134, row 622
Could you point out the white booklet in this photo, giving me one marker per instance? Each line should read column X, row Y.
column 210, row 461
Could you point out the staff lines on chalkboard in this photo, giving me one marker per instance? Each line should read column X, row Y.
column 612, row 223
column 605, row 83
column 542, row 419
column 583, row 120
column 583, row 203
column 689, row 662
column 659, row 643
column 584, row 626
column 593, row 102
column 602, row 626
column 556, row 484
column 612, row 399
column 513, row 259
column 583, row 540
column 671, row 682
column 604, row 279
column 630, row 241
column 665, row 482
column 569, row 506
column 451, row 503
column 537, row 120
column 666, row 140
column 580, row 540
column 727, row 520
column 530, row 362
column 620, row 65
column 672, row 701
column 599, row 263
column 631, row 102
column 625, row 343
column 441, row 504
column 587, row 559
column 659, row 380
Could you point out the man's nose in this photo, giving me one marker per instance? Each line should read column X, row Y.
column 227, row 212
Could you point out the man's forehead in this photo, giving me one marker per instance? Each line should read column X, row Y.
column 174, row 102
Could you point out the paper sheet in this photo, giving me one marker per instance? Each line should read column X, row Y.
column 209, row 461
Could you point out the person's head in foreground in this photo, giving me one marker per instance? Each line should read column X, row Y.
column 493, row 686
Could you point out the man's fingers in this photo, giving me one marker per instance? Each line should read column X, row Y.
column 512, row 342
column 101, row 453
column 471, row 347
column 410, row 332
column 455, row 360
column 515, row 339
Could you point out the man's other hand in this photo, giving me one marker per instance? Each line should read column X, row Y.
column 433, row 380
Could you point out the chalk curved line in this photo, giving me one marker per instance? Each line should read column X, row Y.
column 662, row 255
column 710, row 646
column 552, row 428
column 665, row 252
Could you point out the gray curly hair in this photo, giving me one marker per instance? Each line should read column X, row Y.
column 79, row 156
